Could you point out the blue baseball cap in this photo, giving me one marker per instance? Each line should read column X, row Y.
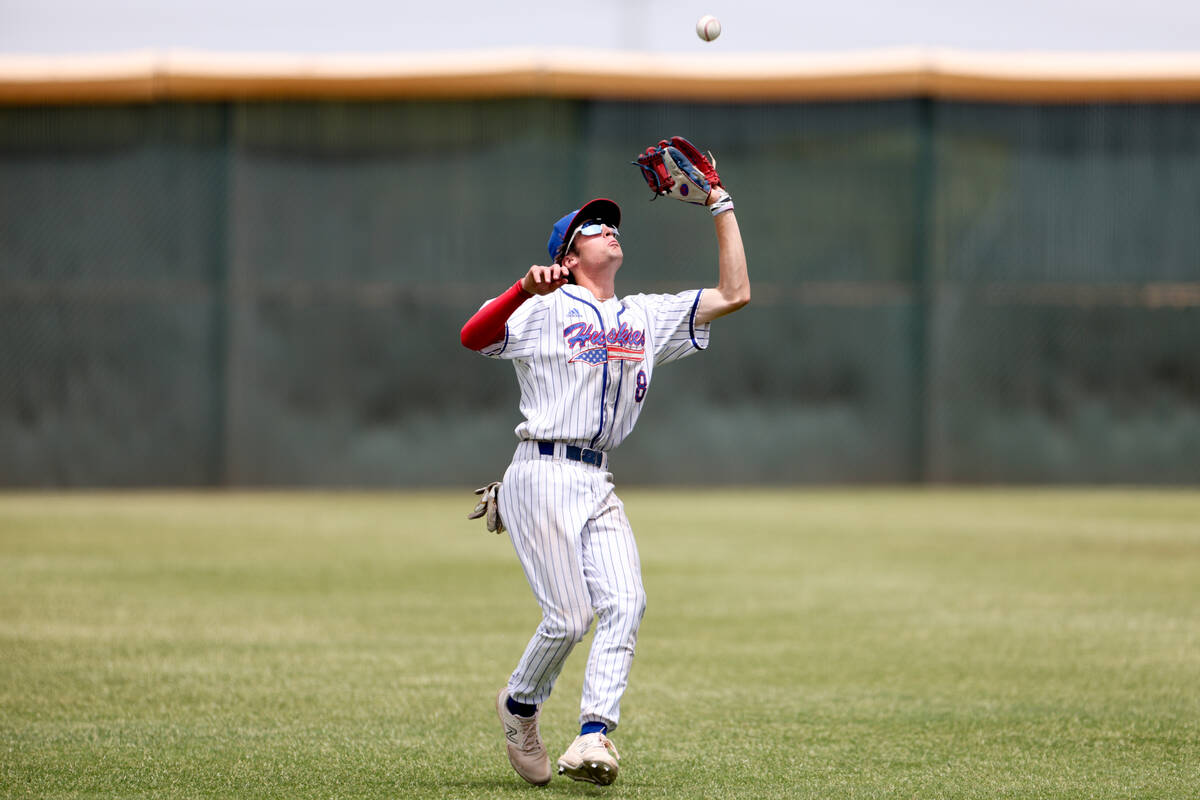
column 601, row 208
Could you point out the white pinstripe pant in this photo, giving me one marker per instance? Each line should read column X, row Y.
column 572, row 537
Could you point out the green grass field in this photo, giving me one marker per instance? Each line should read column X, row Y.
column 806, row 644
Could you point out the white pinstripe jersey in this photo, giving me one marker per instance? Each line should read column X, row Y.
column 585, row 366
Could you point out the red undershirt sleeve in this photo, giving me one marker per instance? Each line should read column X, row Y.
column 487, row 325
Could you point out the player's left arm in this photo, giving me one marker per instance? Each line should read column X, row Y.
column 676, row 168
column 733, row 281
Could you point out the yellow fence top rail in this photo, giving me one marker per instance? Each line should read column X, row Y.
column 181, row 75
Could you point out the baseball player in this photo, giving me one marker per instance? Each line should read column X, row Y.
column 585, row 362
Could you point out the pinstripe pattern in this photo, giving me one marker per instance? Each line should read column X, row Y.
column 576, row 546
column 583, row 404
column 584, row 368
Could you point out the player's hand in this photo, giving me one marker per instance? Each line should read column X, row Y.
column 544, row 280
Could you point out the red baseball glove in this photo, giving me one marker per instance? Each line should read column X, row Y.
column 676, row 168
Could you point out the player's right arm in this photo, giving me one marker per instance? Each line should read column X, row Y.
column 486, row 326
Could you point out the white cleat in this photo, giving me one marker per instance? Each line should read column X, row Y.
column 592, row 758
column 526, row 752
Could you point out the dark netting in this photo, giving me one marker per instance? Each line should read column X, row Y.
column 1066, row 287
column 271, row 293
column 113, row 252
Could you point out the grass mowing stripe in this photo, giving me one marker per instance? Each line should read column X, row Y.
column 818, row 643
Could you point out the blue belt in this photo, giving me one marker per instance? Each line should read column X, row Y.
column 593, row 457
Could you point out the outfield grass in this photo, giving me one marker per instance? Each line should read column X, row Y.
column 808, row 644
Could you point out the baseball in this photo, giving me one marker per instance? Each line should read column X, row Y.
column 708, row 27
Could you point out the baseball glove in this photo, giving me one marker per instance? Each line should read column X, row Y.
column 676, row 168
column 489, row 507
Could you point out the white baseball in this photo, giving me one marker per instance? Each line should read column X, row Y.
column 708, row 27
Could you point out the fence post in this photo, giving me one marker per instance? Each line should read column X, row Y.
column 923, row 290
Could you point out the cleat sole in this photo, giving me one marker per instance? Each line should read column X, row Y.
column 590, row 772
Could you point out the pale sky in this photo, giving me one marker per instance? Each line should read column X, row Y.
column 651, row 26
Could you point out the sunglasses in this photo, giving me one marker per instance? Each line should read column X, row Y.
column 591, row 228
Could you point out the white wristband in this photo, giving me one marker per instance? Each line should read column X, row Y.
column 722, row 205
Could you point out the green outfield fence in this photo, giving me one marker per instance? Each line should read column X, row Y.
column 253, row 293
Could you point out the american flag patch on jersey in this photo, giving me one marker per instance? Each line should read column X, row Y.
column 602, row 355
column 618, row 353
column 600, row 346
column 594, row 356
